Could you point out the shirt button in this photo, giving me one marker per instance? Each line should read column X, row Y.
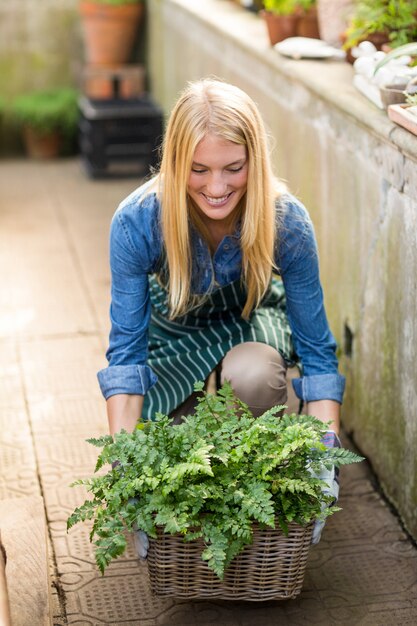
column 226, row 246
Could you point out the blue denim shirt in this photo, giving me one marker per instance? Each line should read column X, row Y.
column 136, row 251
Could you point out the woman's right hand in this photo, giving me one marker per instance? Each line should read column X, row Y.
column 141, row 542
column 123, row 412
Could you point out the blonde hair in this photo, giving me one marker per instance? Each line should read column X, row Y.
column 212, row 106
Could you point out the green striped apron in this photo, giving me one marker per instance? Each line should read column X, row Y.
column 186, row 350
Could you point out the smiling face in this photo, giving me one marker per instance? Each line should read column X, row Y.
column 218, row 180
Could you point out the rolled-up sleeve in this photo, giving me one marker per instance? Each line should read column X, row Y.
column 320, row 387
column 314, row 343
column 131, row 260
column 130, row 379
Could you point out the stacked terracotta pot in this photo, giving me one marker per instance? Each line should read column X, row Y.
column 109, row 33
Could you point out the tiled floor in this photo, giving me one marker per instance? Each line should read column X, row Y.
column 53, row 332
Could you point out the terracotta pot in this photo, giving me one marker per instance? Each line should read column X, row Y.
column 118, row 81
column 386, row 47
column 41, row 145
column 280, row 27
column 109, row 31
column 308, row 25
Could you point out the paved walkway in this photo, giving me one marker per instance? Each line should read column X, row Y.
column 53, row 333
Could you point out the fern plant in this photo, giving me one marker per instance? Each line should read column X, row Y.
column 211, row 476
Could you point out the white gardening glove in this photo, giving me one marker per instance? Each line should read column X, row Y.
column 140, row 538
column 331, row 478
column 141, row 541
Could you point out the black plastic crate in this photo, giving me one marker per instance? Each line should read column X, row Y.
column 119, row 136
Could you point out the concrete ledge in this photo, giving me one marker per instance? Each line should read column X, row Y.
column 329, row 80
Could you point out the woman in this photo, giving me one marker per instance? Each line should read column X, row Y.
column 193, row 253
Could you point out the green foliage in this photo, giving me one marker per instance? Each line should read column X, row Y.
column 48, row 110
column 307, row 4
column 287, row 7
column 411, row 99
column 397, row 18
column 211, row 477
column 118, row 2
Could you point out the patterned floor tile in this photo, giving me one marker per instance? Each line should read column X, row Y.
column 114, row 599
column 79, row 416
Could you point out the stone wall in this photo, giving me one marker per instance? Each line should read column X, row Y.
column 39, row 44
column 356, row 172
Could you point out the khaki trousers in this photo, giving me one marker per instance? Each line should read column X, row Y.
column 258, row 375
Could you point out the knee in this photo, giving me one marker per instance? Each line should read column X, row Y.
column 257, row 373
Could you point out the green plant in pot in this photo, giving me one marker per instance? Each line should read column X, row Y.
column 211, row 477
column 109, row 28
column 308, row 24
column 289, row 18
column 48, row 119
column 281, row 19
column 392, row 22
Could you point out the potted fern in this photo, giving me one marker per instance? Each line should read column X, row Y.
column 214, row 483
column 109, row 28
column 48, row 120
column 384, row 22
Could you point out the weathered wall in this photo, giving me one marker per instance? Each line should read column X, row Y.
column 357, row 174
column 40, row 48
column 39, row 44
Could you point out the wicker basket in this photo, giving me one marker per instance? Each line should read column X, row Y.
column 271, row 568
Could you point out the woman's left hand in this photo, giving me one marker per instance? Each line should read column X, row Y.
column 331, row 478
